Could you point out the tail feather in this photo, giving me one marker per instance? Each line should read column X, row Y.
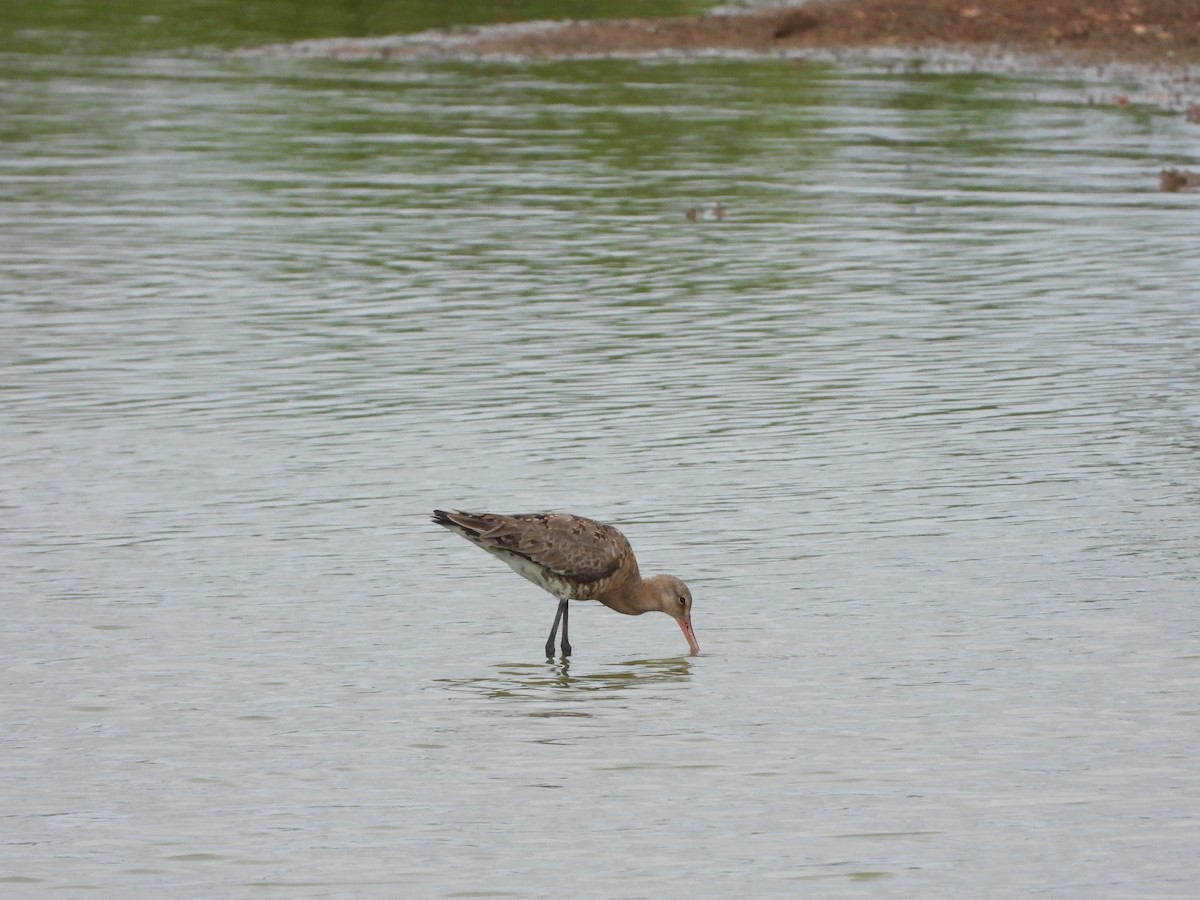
column 469, row 525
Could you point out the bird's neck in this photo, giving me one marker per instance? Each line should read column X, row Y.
column 636, row 595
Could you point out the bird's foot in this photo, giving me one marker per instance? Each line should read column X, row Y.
column 566, row 649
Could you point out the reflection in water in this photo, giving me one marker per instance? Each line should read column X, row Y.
column 101, row 26
column 555, row 681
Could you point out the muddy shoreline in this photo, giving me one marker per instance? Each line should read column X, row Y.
column 1153, row 42
column 1143, row 31
column 1149, row 31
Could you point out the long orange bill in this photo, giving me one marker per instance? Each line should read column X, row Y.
column 685, row 625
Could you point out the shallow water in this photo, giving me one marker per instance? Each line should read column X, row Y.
column 917, row 421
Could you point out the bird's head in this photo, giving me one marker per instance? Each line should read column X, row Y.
column 673, row 597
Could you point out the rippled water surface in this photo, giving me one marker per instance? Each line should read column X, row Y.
column 918, row 420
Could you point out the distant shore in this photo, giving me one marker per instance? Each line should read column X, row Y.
column 1161, row 37
column 1146, row 31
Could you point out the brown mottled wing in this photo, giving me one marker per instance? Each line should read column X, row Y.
column 573, row 547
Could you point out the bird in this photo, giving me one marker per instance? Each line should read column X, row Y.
column 574, row 558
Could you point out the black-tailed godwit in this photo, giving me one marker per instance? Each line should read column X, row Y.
column 574, row 559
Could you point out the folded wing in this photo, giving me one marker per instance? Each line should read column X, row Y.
column 571, row 547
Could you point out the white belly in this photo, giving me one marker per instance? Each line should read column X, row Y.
column 559, row 587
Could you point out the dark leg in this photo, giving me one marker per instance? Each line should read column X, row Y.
column 566, row 645
column 562, row 605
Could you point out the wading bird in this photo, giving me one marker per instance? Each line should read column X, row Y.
column 574, row 559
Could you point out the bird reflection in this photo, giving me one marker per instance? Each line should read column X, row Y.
column 559, row 680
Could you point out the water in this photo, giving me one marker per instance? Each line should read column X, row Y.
column 916, row 421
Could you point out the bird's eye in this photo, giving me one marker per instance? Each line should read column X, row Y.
column 683, row 601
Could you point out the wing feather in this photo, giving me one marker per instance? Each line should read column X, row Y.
column 572, row 547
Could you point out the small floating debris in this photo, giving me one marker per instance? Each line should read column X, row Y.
column 1174, row 180
column 717, row 211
